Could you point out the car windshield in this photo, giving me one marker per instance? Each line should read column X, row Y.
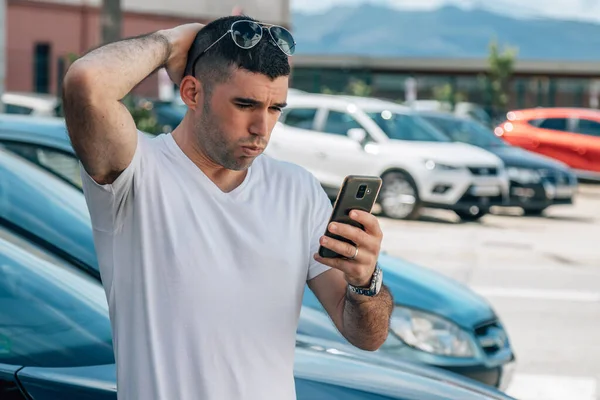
column 53, row 315
column 44, row 206
column 407, row 127
column 467, row 131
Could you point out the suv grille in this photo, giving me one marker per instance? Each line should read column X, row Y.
column 484, row 171
column 554, row 177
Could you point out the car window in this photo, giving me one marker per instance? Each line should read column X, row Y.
column 338, row 123
column 63, row 165
column 15, row 109
column 407, row 127
column 556, row 124
column 588, row 127
column 467, row 131
column 52, row 314
column 535, row 122
column 300, row 117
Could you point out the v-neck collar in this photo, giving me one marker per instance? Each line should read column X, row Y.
column 235, row 194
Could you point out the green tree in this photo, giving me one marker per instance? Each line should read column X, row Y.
column 141, row 111
column 497, row 79
column 356, row 87
column 446, row 94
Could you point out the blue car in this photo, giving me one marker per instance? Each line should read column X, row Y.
column 55, row 341
column 437, row 321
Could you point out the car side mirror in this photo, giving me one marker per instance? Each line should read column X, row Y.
column 357, row 134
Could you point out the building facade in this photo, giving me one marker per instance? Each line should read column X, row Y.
column 41, row 36
column 533, row 83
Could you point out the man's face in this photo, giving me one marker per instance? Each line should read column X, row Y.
column 236, row 122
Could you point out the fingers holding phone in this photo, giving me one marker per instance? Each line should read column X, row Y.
column 353, row 238
column 359, row 254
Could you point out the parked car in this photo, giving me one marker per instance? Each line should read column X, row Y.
column 464, row 334
column 462, row 109
column 536, row 182
column 336, row 136
column 56, row 343
column 43, row 141
column 37, row 104
column 570, row 135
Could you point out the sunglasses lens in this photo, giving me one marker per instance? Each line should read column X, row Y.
column 284, row 39
column 246, row 34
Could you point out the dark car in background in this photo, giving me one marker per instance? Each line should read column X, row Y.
column 464, row 336
column 536, row 182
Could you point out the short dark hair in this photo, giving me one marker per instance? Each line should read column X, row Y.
column 215, row 65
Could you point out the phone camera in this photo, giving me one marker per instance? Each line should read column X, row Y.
column 362, row 189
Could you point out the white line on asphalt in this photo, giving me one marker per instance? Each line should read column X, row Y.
column 550, row 387
column 539, row 294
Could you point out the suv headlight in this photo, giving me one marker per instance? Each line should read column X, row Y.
column 431, row 165
column 430, row 333
column 524, row 175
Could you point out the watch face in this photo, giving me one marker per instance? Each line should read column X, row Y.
column 379, row 282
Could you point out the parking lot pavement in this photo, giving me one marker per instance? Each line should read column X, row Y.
column 541, row 274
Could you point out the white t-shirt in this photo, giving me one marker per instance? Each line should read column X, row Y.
column 204, row 287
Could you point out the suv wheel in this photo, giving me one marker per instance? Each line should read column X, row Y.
column 472, row 215
column 399, row 197
column 534, row 212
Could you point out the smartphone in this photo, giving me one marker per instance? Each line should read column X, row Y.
column 358, row 192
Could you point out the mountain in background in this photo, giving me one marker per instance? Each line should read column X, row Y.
column 453, row 32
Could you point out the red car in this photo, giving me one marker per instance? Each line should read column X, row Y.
column 570, row 135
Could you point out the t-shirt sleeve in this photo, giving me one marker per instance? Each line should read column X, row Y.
column 321, row 212
column 107, row 203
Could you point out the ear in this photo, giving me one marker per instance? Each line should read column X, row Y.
column 191, row 92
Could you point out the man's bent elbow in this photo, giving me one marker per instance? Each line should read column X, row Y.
column 372, row 343
column 78, row 83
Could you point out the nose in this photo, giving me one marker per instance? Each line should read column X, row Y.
column 259, row 125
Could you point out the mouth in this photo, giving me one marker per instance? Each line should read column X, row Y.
column 252, row 150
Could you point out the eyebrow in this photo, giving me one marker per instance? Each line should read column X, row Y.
column 254, row 102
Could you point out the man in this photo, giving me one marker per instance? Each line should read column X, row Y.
column 204, row 243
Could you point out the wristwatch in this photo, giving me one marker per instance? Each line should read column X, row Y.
column 374, row 287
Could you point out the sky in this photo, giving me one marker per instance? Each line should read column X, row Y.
column 587, row 10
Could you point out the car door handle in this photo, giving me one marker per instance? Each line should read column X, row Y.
column 579, row 150
column 321, row 154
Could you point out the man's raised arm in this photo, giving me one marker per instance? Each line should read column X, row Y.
column 102, row 131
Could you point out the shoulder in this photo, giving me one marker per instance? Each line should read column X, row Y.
column 286, row 173
column 296, row 184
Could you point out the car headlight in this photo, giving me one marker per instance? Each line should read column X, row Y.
column 430, row 333
column 431, row 165
column 524, row 175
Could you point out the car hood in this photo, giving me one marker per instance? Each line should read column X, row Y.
column 315, row 360
column 424, row 289
column 517, row 157
column 418, row 288
column 93, row 382
column 334, row 363
column 452, row 153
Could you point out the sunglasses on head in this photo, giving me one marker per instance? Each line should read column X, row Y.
column 246, row 34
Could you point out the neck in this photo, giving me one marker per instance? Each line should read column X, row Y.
column 225, row 179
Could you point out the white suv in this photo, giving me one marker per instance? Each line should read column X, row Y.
column 335, row 136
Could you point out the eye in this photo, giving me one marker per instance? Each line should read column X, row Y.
column 244, row 106
column 278, row 109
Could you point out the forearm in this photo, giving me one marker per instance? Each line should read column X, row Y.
column 113, row 70
column 366, row 319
